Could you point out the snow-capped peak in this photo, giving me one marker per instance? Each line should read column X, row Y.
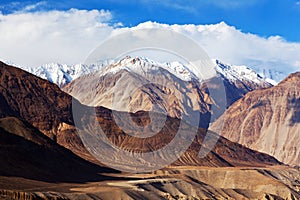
column 241, row 73
column 62, row 74
column 142, row 65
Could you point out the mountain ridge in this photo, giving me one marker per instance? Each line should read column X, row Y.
column 267, row 120
column 62, row 74
column 135, row 83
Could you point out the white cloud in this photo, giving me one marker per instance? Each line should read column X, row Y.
column 54, row 36
column 37, row 38
column 233, row 46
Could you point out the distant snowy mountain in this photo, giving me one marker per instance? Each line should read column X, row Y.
column 139, row 84
column 144, row 66
column 62, row 74
column 238, row 73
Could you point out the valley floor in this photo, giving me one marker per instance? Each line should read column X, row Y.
column 276, row 182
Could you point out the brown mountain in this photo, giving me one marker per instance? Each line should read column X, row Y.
column 267, row 120
column 47, row 108
column 132, row 92
column 224, row 153
column 127, row 85
column 40, row 103
column 28, row 153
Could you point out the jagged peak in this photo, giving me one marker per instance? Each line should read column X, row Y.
column 141, row 64
column 239, row 72
column 62, row 74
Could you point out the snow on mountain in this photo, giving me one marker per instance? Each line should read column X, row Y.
column 127, row 80
column 62, row 74
column 143, row 66
column 241, row 73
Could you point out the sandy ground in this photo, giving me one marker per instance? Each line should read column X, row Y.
column 171, row 183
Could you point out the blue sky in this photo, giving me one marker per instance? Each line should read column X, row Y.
column 262, row 34
column 261, row 17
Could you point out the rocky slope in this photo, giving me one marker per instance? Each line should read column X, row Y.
column 134, row 84
column 123, row 135
column 130, row 92
column 267, row 120
column 26, row 152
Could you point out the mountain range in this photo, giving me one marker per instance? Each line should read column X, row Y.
column 52, row 115
column 98, row 88
column 42, row 150
column 127, row 85
column 62, row 74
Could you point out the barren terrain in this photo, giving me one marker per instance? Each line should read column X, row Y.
column 277, row 182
